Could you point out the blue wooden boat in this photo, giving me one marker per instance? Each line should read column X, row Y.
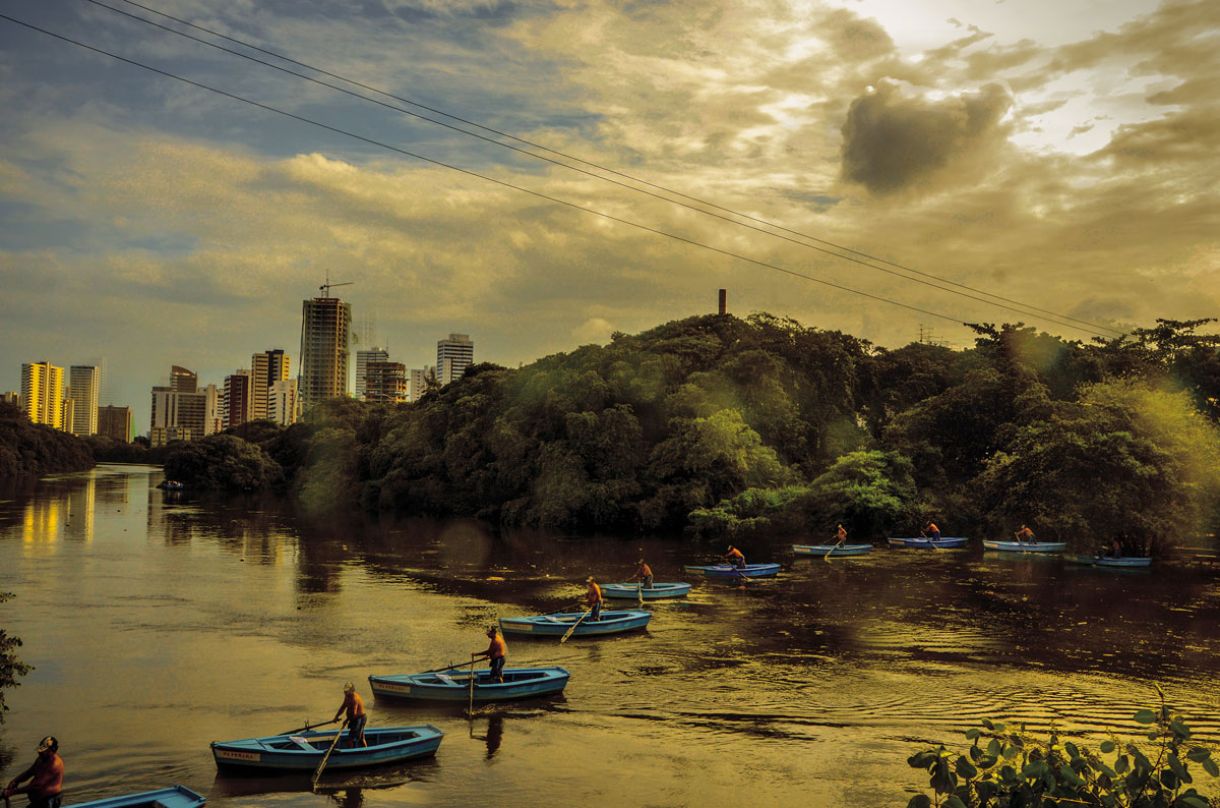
column 303, row 752
column 731, row 572
column 172, row 797
column 557, row 625
column 1025, row 546
column 657, row 591
column 519, row 683
column 834, row 550
column 1121, row 562
column 920, row 543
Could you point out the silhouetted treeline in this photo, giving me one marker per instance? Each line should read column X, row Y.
column 30, row 450
column 724, row 426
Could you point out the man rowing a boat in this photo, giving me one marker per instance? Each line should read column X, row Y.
column 356, row 717
column 497, row 652
column 735, row 557
column 593, row 599
column 840, row 535
column 931, row 532
column 1025, row 535
column 46, row 777
column 643, row 573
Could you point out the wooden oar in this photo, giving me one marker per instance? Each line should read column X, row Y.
column 470, row 706
column 639, row 595
column 829, row 553
column 574, row 625
column 448, row 667
column 308, row 726
column 317, row 775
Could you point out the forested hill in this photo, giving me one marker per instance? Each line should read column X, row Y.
column 723, row 426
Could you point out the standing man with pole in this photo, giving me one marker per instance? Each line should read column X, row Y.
column 46, row 776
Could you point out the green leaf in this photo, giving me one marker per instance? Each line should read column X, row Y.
column 1198, row 754
column 1192, row 801
column 954, row 801
column 920, row 801
column 1121, row 765
column 1107, row 747
column 965, row 768
column 1145, row 717
column 1211, row 768
column 971, row 734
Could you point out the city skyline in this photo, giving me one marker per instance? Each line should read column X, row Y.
column 1057, row 155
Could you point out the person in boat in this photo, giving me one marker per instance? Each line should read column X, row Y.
column 735, row 557
column 593, row 599
column 1025, row 535
column 840, row 535
column 931, row 532
column 353, row 705
column 1116, row 549
column 643, row 574
column 497, row 653
column 46, row 776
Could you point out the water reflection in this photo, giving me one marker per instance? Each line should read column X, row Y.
column 235, row 617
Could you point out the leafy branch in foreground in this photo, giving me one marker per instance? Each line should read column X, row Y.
column 1010, row 769
column 10, row 666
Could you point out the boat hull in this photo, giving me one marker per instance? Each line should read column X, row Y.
column 172, row 797
column 1123, row 562
column 557, row 625
column 731, row 572
column 658, row 591
column 1025, row 547
column 303, row 752
column 519, row 683
column 918, row 543
column 823, row 549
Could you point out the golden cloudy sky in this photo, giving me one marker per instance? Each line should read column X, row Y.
column 1063, row 154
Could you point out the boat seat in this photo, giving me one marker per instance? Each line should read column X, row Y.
column 555, row 619
column 446, row 678
column 301, row 742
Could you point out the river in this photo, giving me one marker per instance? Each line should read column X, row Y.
column 156, row 624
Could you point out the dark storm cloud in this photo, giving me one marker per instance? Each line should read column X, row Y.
column 892, row 141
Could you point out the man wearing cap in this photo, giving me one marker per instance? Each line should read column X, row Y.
column 593, row 599
column 497, row 652
column 356, row 717
column 46, row 777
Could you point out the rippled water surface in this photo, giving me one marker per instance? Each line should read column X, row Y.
column 157, row 624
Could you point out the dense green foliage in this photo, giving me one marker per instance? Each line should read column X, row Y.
column 10, row 666
column 28, row 449
column 1006, row 768
column 726, row 426
column 221, row 463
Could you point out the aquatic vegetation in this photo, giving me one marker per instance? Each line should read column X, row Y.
column 1007, row 768
column 11, row 667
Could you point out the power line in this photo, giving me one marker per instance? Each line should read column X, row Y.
column 864, row 259
column 472, row 173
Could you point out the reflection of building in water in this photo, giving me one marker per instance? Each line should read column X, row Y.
column 115, row 489
column 41, row 522
column 82, row 509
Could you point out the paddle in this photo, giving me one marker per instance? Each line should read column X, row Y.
column 639, row 595
column 470, row 706
column 317, row 775
column 448, row 667
column 308, row 726
column 574, row 625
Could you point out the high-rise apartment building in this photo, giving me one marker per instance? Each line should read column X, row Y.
column 325, row 333
column 237, row 402
column 68, row 408
column 363, row 359
column 453, row 356
column 85, row 384
column 266, row 368
column 183, row 410
column 417, row 382
column 285, row 406
column 387, row 382
column 115, row 423
column 42, row 393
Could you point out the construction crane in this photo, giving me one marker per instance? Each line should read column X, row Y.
column 326, row 287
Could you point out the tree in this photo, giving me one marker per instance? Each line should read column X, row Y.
column 11, row 667
column 1128, row 461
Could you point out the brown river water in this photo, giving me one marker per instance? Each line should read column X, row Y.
column 157, row 624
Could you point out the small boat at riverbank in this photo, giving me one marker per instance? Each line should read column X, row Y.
column 1025, row 546
column 303, row 752
column 832, row 549
column 557, row 625
column 1120, row 562
column 658, row 591
column 519, row 683
column 920, row 543
column 730, row 572
column 172, row 797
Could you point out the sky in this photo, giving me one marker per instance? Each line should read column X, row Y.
column 1062, row 155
